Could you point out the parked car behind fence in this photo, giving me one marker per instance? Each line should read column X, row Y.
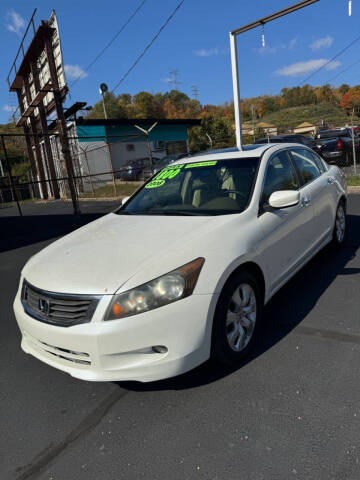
column 336, row 146
column 138, row 169
column 287, row 138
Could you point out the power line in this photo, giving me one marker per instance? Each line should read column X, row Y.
column 343, row 71
column 147, row 46
column 111, row 41
column 331, row 60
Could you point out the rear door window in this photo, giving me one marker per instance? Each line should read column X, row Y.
column 320, row 164
column 306, row 165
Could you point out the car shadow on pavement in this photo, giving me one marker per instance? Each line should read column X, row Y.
column 282, row 314
column 19, row 232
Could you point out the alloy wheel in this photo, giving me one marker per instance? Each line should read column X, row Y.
column 241, row 317
column 340, row 224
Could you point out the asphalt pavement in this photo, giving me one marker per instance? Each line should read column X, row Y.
column 290, row 411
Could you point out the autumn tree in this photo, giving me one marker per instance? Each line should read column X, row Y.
column 326, row 94
column 111, row 106
column 344, row 88
column 220, row 130
column 144, row 106
column 271, row 104
column 260, row 108
column 351, row 100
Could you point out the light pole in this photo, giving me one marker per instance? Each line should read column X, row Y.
column 147, row 132
column 253, row 120
column 234, row 56
column 103, row 89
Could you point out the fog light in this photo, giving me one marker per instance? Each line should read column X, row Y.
column 159, row 349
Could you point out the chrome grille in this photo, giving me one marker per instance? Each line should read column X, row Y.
column 57, row 308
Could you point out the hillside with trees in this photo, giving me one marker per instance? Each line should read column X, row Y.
column 289, row 118
column 331, row 106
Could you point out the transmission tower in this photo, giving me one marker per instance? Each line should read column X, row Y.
column 195, row 91
column 175, row 79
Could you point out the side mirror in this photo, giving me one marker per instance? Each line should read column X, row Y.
column 124, row 200
column 284, row 198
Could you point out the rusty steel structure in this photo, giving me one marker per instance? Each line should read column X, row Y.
column 37, row 77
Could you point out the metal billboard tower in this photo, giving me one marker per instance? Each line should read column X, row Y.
column 37, row 76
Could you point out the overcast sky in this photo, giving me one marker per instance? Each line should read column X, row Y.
column 195, row 42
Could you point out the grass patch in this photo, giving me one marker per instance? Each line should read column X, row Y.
column 293, row 116
column 123, row 189
column 353, row 180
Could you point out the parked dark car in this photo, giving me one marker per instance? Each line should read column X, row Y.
column 287, row 138
column 335, row 146
column 167, row 161
column 138, row 169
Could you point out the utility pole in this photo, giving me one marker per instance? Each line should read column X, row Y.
column 353, row 138
column 147, row 133
column 234, row 57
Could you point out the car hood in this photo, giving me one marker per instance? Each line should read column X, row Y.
column 101, row 256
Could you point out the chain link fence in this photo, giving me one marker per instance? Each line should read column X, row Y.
column 102, row 169
column 112, row 169
column 94, row 174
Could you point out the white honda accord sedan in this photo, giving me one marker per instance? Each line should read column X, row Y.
column 181, row 271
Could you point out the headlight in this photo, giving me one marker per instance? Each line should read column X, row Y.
column 168, row 288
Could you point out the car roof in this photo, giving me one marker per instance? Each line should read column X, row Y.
column 249, row 151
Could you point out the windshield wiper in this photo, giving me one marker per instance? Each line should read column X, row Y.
column 174, row 213
column 178, row 213
column 124, row 212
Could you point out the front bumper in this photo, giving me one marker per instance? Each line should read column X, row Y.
column 122, row 349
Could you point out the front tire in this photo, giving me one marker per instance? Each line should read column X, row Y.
column 237, row 319
column 340, row 225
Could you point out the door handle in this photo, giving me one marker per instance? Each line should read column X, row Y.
column 331, row 180
column 305, row 202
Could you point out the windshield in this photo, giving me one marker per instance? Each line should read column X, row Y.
column 201, row 188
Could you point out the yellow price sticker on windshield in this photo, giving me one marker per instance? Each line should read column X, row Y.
column 155, row 183
column 166, row 174
column 201, row 164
